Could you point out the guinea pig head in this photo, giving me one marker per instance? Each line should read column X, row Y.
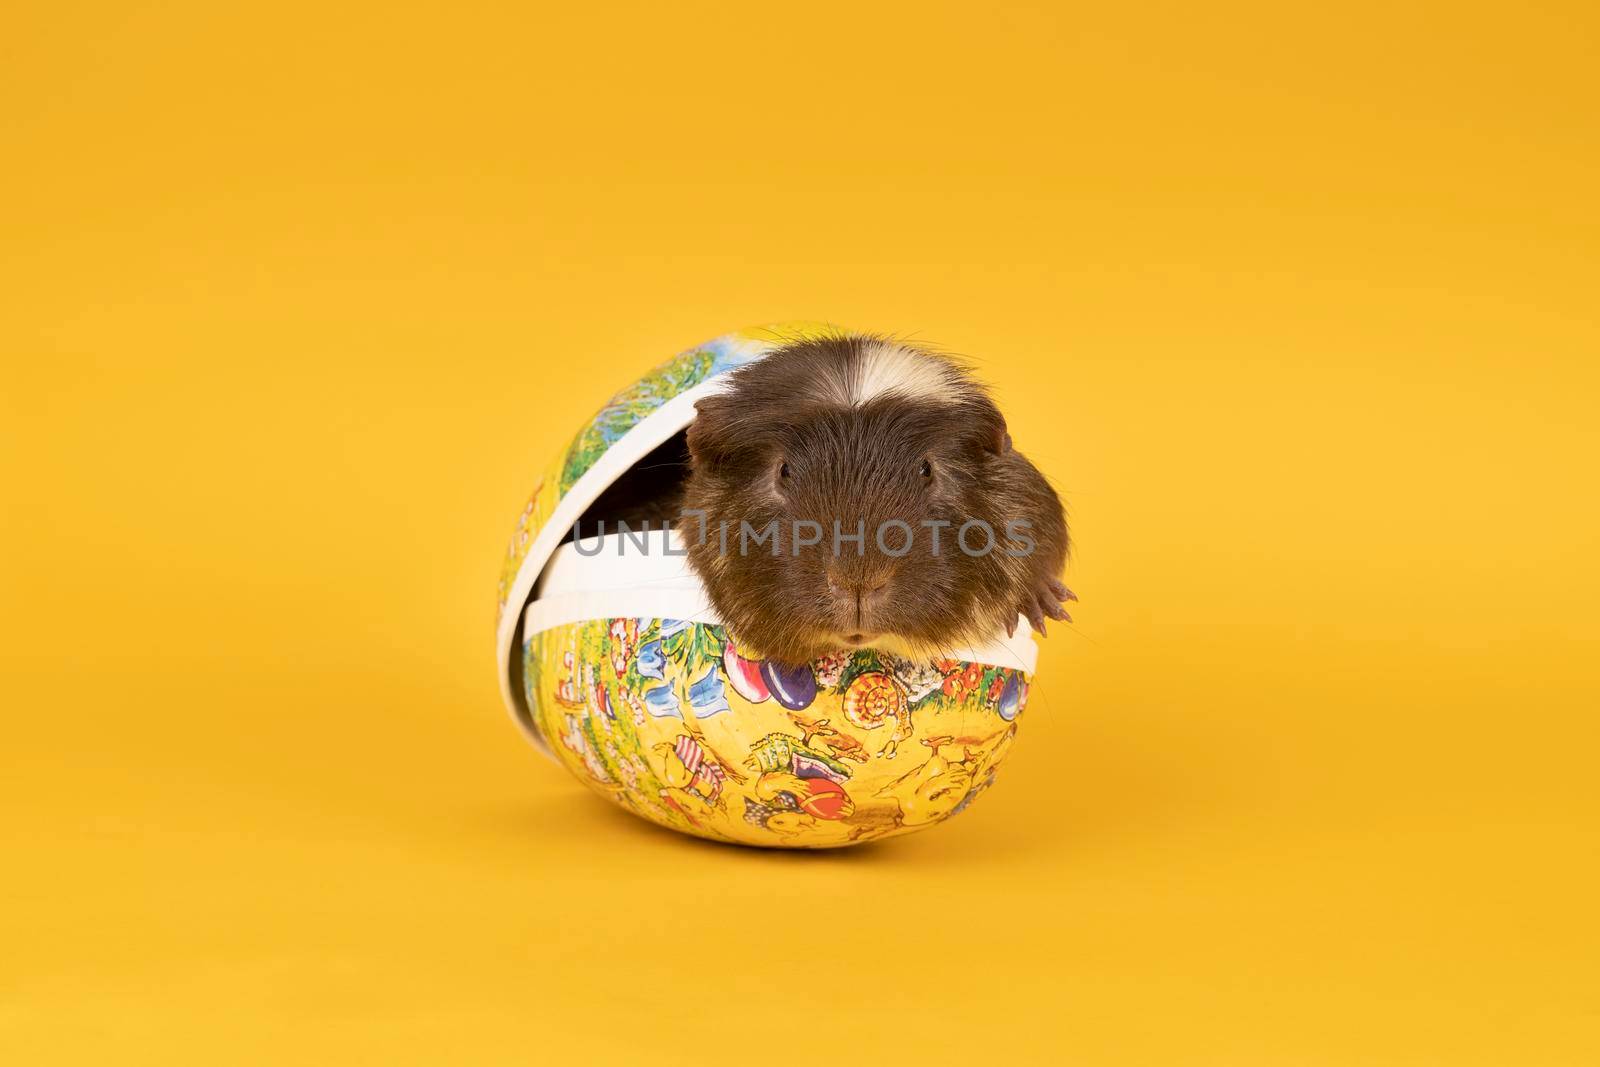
column 836, row 502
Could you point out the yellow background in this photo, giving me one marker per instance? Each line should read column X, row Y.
column 1296, row 305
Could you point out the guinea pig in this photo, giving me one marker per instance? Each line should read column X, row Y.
column 856, row 491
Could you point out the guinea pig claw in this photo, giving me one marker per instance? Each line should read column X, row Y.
column 1045, row 603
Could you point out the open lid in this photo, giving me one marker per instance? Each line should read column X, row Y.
column 633, row 423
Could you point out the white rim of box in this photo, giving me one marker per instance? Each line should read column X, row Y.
column 652, row 430
column 655, row 585
column 690, row 604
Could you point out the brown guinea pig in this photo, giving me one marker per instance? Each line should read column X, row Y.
column 857, row 491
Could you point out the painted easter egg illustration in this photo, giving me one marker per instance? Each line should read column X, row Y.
column 793, row 687
column 826, row 799
column 1010, row 699
column 745, row 676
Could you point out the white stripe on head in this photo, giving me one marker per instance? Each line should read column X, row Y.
column 883, row 368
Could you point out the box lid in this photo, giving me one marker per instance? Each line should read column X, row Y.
column 630, row 425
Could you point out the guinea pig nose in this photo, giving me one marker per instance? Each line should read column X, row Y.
column 854, row 590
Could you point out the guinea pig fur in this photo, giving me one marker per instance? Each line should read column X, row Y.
column 859, row 491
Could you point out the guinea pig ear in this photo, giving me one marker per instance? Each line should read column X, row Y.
column 707, row 435
column 991, row 427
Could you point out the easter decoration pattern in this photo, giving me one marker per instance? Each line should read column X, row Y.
column 644, row 695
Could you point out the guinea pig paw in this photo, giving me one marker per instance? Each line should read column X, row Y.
column 1044, row 602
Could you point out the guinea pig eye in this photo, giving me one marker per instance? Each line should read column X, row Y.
column 783, row 471
column 927, row 469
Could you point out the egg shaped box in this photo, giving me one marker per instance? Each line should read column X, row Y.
column 612, row 660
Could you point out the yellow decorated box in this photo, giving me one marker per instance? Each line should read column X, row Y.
column 612, row 660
